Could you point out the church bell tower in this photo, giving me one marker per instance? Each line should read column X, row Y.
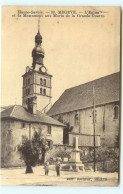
column 37, row 81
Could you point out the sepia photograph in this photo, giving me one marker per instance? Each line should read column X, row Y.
column 60, row 95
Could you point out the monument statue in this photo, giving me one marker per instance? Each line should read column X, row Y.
column 75, row 164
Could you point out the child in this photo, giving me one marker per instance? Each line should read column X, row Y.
column 46, row 166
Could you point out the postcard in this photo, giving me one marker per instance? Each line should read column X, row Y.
column 60, row 96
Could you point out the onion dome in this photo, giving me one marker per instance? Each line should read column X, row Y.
column 38, row 51
column 38, row 38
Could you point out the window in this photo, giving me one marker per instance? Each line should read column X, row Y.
column 116, row 112
column 28, row 81
column 41, row 81
column 44, row 92
column 44, row 82
column 76, row 119
column 40, row 90
column 48, row 143
column 23, row 125
column 49, row 130
column 28, row 91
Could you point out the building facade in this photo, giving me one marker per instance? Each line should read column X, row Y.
column 17, row 123
column 75, row 107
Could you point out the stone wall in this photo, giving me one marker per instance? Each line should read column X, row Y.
column 106, row 126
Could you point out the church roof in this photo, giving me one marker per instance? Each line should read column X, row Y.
column 18, row 112
column 107, row 89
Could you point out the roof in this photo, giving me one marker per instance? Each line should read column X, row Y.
column 107, row 89
column 18, row 112
column 4, row 107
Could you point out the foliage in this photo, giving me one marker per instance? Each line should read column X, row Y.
column 39, row 142
column 28, row 153
column 33, row 151
column 108, row 156
column 66, row 130
column 105, row 153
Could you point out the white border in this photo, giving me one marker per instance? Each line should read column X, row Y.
column 65, row 190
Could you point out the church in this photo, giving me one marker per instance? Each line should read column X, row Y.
column 95, row 103
column 19, row 121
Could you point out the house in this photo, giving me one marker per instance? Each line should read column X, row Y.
column 75, row 107
column 16, row 123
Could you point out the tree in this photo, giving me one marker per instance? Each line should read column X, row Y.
column 39, row 142
column 32, row 150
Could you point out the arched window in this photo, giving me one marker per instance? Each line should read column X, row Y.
column 76, row 119
column 116, row 112
column 44, row 92
column 44, row 82
column 40, row 90
column 28, row 91
column 41, row 81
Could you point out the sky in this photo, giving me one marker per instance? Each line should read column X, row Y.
column 77, row 49
column 6, row 82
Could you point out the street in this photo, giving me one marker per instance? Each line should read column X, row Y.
column 17, row 176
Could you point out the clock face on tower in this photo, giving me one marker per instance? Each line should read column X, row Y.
column 43, row 69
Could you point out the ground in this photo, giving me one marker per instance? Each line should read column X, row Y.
column 17, row 176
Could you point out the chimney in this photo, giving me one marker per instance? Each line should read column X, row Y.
column 32, row 105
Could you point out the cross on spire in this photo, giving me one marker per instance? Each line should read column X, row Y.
column 39, row 25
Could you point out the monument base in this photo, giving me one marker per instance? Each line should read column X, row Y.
column 73, row 166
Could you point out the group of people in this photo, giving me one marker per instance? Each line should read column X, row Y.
column 57, row 167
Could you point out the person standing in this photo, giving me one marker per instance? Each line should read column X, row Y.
column 46, row 166
column 58, row 165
